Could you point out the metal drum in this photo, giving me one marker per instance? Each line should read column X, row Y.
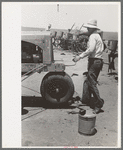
column 86, row 123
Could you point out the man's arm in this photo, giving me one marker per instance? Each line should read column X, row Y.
column 90, row 49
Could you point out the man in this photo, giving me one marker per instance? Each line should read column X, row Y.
column 95, row 62
column 112, row 53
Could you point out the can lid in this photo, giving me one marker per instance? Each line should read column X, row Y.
column 89, row 114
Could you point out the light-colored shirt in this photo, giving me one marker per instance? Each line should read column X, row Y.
column 95, row 47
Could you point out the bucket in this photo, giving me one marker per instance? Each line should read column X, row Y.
column 86, row 123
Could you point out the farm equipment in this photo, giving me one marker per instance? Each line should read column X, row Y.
column 37, row 55
column 69, row 40
column 60, row 38
column 57, row 38
column 74, row 42
column 78, row 43
column 67, row 37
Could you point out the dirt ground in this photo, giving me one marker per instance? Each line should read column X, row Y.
column 58, row 127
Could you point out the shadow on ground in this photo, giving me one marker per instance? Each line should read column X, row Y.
column 33, row 101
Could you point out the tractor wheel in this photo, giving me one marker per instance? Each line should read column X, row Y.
column 57, row 88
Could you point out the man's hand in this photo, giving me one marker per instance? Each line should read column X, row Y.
column 77, row 58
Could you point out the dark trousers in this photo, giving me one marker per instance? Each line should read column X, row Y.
column 90, row 83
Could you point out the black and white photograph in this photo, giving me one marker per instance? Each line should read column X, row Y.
column 69, row 81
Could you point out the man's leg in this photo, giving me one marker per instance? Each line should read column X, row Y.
column 98, row 102
column 92, row 78
column 86, row 96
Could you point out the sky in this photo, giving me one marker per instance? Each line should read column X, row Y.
column 42, row 14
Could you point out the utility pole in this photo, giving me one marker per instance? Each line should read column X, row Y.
column 57, row 7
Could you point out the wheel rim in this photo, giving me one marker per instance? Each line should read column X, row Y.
column 57, row 89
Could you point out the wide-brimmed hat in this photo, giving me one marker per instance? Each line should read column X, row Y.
column 91, row 24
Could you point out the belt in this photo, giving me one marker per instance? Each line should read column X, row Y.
column 95, row 58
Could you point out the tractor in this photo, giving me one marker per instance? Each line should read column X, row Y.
column 57, row 86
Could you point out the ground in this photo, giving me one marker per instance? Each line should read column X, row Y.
column 47, row 127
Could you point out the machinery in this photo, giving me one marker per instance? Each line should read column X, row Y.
column 78, row 43
column 37, row 55
column 72, row 41
column 60, row 38
column 67, row 37
column 56, row 37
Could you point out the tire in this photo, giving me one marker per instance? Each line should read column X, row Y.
column 57, row 88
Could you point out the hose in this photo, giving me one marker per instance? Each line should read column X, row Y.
column 71, row 65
